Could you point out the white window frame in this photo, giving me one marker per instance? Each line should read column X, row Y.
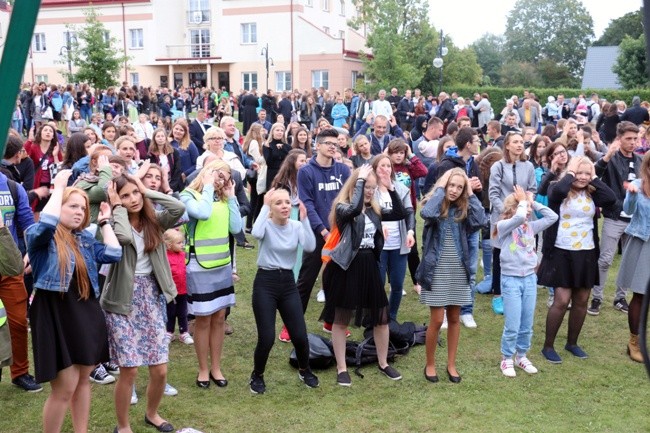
column 248, row 33
column 136, row 39
column 198, row 5
column 283, row 81
column 40, row 43
column 40, row 78
column 355, row 77
column 309, row 3
column 135, row 78
column 107, row 37
column 69, row 36
column 342, row 8
column 320, row 78
column 249, row 80
column 325, row 5
column 202, row 47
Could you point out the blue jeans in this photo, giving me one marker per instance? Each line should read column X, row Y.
column 395, row 263
column 86, row 111
column 519, row 297
column 472, row 243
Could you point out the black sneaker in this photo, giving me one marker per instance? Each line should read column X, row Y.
column 343, row 379
column 594, row 309
column 27, row 382
column 111, row 368
column 390, row 372
column 308, row 378
column 621, row 305
column 245, row 245
column 257, row 383
column 100, row 376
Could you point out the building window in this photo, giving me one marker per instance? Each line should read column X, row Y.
column 135, row 78
column 282, row 81
column 136, row 39
column 39, row 43
column 325, row 5
column 342, row 7
column 41, row 78
column 355, row 77
column 107, row 37
column 249, row 80
column 249, row 33
column 309, row 3
column 320, row 78
column 69, row 38
column 198, row 11
column 200, row 43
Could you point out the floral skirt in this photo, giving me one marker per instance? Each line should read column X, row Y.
column 138, row 338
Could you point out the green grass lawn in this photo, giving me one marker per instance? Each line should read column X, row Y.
column 604, row 393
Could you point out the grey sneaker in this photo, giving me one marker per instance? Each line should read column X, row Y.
column 594, row 309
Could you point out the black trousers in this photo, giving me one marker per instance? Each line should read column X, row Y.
column 276, row 290
column 177, row 310
column 311, row 264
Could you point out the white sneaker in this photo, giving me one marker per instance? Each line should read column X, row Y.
column 403, row 292
column 507, row 367
column 168, row 338
column 134, row 396
column 186, row 338
column 170, row 390
column 445, row 325
column 549, row 303
column 320, row 297
column 525, row 364
column 468, row 320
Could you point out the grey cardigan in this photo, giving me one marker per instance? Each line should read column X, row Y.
column 118, row 288
column 502, row 183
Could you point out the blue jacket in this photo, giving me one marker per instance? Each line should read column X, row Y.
column 43, row 256
column 638, row 205
column 14, row 214
column 435, row 230
column 339, row 114
column 377, row 147
column 188, row 157
column 318, row 187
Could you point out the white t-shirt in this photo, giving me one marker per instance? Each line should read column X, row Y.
column 392, row 242
column 575, row 230
column 368, row 240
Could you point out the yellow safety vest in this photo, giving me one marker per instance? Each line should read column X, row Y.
column 209, row 241
column 3, row 315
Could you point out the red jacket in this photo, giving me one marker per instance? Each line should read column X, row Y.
column 407, row 174
column 179, row 275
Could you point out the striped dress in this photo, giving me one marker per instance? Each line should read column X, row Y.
column 450, row 285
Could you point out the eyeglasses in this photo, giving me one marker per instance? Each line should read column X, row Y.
column 559, row 152
column 330, row 143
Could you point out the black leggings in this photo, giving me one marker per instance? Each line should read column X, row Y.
column 496, row 271
column 177, row 309
column 276, row 290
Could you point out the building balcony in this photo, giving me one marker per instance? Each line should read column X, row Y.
column 198, row 17
column 190, row 51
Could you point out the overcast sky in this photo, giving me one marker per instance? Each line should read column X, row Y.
column 477, row 17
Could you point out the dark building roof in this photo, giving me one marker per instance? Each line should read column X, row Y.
column 598, row 68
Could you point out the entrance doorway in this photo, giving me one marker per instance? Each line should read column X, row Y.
column 224, row 80
column 198, row 79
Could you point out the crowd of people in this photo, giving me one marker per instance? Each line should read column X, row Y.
column 128, row 214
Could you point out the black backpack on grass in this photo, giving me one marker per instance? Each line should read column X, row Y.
column 321, row 355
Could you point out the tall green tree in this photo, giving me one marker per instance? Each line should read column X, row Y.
column 630, row 24
column 490, row 55
column 403, row 45
column 97, row 59
column 558, row 30
column 631, row 63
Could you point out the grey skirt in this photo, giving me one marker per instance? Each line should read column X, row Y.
column 634, row 272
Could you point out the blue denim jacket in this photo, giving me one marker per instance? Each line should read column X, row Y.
column 43, row 256
column 638, row 205
column 435, row 231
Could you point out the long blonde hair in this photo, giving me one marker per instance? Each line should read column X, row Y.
column 67, row 246
column 254, row 134
column 345, row 196
column 461, row 203
column 197, row 184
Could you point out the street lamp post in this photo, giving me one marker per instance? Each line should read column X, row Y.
column 438, row 62
column 269, row 63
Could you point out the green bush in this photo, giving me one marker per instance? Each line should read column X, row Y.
column 498, row 95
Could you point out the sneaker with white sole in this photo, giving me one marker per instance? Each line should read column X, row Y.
column 170, row 390
column 508, row 367
column 320, row 297
column 99, row 375
column 549, row 302
column 134, row 396
column 444, row 325
column 308, row 378
column 468, row 320
column 186, row 338
column 525, row 364
column 168, row 338
column 403, row 292
column 111, row 368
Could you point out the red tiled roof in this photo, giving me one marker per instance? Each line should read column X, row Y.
column 65, row 3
